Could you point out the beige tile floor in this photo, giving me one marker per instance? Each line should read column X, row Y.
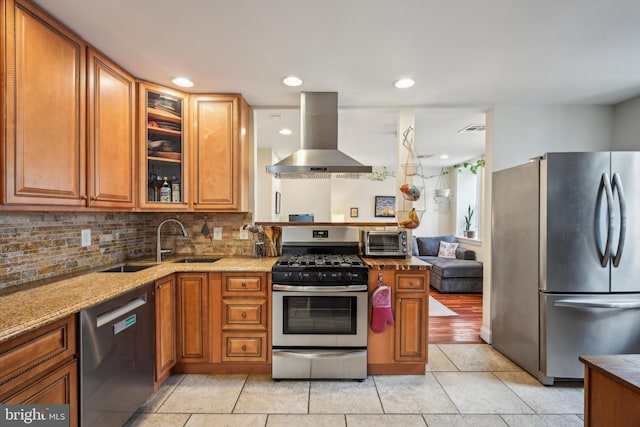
column 465, row 385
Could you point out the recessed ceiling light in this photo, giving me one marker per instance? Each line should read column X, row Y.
column 284, row 131
column 292, row 81
column 182, row 82
column 444, row 156
column 404, row 83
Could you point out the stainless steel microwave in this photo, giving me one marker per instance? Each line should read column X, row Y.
column 385, row 243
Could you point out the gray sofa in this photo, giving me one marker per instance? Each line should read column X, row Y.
column 462, row 274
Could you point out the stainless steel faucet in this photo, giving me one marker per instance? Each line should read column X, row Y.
column 159, row 250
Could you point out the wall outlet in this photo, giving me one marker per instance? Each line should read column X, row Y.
column 244, row 233
column 85, row 237
column 217, row 233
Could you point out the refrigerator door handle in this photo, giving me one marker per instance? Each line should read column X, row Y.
column 595, row 303
column 605, row 186
column 617, row 187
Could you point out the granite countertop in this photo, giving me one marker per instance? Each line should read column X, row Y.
column 29, row 309
column 412, row 263
column 26, row 310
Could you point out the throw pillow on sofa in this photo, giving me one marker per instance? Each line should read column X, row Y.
column 447, row 250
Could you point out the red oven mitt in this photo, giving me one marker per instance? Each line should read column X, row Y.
column 382, row 314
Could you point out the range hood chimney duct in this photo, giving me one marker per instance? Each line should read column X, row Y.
column 318, row 156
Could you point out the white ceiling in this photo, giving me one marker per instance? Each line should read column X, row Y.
column 462, row 53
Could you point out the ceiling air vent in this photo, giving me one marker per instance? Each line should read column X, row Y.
column 472, row 129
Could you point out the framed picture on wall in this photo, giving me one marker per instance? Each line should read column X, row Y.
column 354, row 213
column 385, row 206
column 278, row 202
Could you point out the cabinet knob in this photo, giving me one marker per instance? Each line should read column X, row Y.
column 244, row 285
column 244, row 314
column 410, row 282
column 244, row 348
column 83, row 197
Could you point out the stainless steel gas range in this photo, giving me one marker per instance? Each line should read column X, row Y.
column 320, row 305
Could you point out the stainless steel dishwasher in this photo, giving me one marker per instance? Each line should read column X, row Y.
column 116, row 359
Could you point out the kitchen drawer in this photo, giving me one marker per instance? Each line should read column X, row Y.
column 244, row 347
column 26, row 357
column 244, row 285
column 244, row 314
column 58, row 387
column 412, row 282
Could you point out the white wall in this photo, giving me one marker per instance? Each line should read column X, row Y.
column 360, row 193
column 265, row 188
column 523, row 132
column 436, row 215
column 626, row 125
column 306, row 196
column 324, row 198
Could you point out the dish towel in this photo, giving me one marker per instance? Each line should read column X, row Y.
column 382, row 314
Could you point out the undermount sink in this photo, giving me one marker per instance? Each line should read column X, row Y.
column 203, row 260
column 125, row 269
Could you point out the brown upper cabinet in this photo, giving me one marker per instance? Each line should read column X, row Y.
column 195, row 146
column 44, row 138
column 220, row 151
column 112, row 134
column 72, row 127
column 163, row 148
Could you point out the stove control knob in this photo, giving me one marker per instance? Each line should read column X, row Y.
column 346, row 276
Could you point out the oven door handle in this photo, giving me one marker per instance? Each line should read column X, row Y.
column 344, row 288
column 317, row 355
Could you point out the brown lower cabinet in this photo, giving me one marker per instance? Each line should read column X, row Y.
column 166, row 320
column 40, row 367
column 401, row 348
column 611, row 390
column 58, row 387
column 244, row 320
column 193, row 318
column 223, row 323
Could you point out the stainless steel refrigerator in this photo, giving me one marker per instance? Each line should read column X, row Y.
column 565, row 275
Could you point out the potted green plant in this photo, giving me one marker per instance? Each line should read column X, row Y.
column 467, row 224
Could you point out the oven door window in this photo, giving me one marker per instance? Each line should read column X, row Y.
column 320, row 315
column 383, row 242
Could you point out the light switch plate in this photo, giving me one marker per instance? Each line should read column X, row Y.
column 85, row 237
column 244, row 233
column 217, row 233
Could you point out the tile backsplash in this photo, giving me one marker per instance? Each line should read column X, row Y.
column 199, row 243
column 37, row 246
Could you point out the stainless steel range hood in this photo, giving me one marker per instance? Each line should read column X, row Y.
column 318, row 156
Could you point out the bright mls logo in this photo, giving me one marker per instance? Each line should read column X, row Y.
column 34, row 415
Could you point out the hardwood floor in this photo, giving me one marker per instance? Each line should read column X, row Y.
column 463, row 328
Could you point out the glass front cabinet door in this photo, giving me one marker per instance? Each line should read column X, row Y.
column 163, row 148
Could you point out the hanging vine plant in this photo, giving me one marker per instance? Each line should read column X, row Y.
column 380, row 175
column 472, row 166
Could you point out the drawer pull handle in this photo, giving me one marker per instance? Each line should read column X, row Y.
column 244, row 285
column 244, row 314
